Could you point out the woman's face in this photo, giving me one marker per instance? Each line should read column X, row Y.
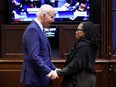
column 79, row 33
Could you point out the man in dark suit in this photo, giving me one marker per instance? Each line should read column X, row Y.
column 37, row 68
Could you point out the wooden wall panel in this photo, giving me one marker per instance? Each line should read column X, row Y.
column 10, row 73
column 66, row 39
column 12, row 39
column 10, row 78
column 101, row 75
column 106, row 17
column 112, row 75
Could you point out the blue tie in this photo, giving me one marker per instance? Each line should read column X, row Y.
column 44, row 32
column 47, row 40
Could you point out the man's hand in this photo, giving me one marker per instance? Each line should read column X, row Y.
column 54, row 75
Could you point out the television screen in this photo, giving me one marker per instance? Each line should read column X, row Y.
column 65, row 10
column 53, row 36
column 51, row 32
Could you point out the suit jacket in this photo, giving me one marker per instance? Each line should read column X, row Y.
column 36, row 60
column 79, row 66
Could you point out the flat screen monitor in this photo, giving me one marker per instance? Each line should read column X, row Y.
column 66, row 11
column 51, row 32
column 53, row 36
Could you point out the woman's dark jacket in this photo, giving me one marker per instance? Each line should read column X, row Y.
column 80, row 58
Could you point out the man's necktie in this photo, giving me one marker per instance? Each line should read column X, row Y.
column 47, row 40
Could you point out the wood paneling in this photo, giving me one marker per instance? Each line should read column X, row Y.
column 10, row 73
column 101, row 75
column 66, row 38
column 106, row 17
column 12, row 39
column 112, row 74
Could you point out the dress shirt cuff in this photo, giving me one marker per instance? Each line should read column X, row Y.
column 49, row 74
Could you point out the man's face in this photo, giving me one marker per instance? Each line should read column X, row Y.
column 48, row 19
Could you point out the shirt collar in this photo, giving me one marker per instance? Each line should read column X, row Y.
column 41, row 26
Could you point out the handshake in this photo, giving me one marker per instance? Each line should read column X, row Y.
column 54, row 74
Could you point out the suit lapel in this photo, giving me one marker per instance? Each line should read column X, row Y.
column 44, row 36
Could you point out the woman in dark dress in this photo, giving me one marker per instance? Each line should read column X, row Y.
column 79, row 67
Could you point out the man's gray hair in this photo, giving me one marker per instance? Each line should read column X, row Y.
column 44, row 9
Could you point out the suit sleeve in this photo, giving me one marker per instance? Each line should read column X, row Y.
column 53, row 67
column 33, row 50
column 78, row 62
